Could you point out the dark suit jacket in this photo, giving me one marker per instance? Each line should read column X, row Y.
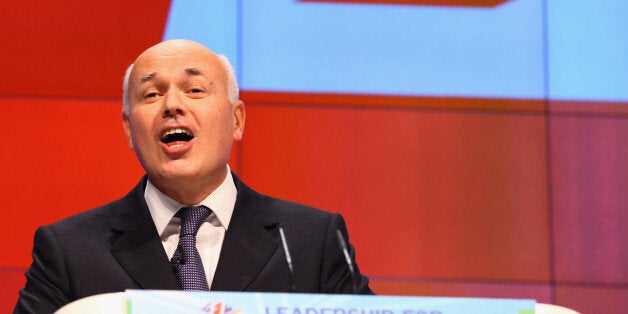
column 117, row 247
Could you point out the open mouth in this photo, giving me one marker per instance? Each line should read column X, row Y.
column 176, row 135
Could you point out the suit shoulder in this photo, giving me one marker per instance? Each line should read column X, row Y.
column 289, row 207
column 268, row 207
column 286, row 213
column 86, row 219
column 102, row 215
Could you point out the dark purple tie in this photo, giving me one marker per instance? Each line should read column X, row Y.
column 186, row 261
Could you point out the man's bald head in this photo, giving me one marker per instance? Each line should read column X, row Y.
column 177, row 46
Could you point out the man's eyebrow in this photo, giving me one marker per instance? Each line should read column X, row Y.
column 152, row 75
column 147, row 77
column 193, row 71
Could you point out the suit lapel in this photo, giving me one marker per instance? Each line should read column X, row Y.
column 136, row 244
column 249, row 242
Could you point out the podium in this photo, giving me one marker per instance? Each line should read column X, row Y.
column 173, row 302
column 161, row 301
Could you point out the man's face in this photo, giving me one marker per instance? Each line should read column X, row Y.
column 180, row 122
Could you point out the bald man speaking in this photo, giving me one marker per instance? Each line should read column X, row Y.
column 190, row 223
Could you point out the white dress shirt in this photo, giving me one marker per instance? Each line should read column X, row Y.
column 212, row 232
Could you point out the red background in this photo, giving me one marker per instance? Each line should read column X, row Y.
column 443, row 196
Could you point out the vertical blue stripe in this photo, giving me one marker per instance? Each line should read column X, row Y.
column 211, row 23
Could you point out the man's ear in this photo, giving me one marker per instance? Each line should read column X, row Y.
column 127, row 129
column 239, row 116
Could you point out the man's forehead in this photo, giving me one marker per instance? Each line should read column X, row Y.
column 177, row 52
column 176, row 47
column 177, row 58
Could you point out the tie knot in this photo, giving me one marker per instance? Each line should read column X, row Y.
column 192, row 218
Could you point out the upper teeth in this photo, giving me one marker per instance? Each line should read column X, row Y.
column 175, row 131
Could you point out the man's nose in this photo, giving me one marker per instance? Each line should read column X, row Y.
column 172, row 106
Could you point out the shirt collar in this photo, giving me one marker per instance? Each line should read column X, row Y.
column 221, row 201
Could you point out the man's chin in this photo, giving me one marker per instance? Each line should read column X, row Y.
column 175, row 174
column 186, row 185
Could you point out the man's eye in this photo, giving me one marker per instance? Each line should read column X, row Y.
column 151, row 95
column 196, row 90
